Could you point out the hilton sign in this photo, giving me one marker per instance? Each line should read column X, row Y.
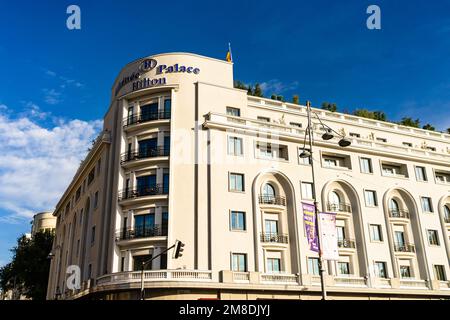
column 148, row 65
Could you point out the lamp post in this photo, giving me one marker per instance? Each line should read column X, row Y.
column 343, row 142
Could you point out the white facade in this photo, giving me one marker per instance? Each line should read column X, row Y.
column 186, row 156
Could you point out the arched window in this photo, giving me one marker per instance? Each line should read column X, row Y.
column 334, row 198
column 447, row 213
column 269, row 191
column 393, row 206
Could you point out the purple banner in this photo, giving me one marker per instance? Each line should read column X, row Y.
column 309, row 218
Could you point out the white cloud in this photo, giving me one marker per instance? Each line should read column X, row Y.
column 52, row 96
column 275, row 86
column 37, row 164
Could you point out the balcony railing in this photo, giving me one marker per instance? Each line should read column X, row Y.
column 157, row 189
column 402, row 247
column 339, row 207
column 142, row 232
column 274, row 237
column 146, row 117
column 276, row 200
column 346, row 243
column 399, row 214
column 137, row 155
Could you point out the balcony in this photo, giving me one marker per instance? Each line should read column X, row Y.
column 274, row 237
column 402, row 214
column 141, row 232
column 157, row 189
column 136, row 155
column 346, row 243
column 146, row 117
column 401, row 247
column 339, row 207
column 274, row 200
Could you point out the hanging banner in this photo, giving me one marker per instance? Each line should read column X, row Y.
column 309, row 218
column 328, row 236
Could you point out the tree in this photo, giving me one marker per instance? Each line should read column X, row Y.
column 240, row 85
column 429, row 127
column 375, row 115
column 29, row 269
column 257, row 91
column 329, row 106
column 448, row 130
column 295, row 99
column 273, row 97
column 408, row 121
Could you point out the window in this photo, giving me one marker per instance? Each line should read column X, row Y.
column 265, row 119
column 421, row 174
column 268, row 191
column 96, row 199
column 407, row 144
column 355, row 135
column 78, row 194
column 375, row 232
column 295, row 124
column 237, row 220
column 380, row 269
column 271, row 227
column 99, row 166
column 399, row 239
column 394, row 207
column 236, row 182
column 405, row 272
column 272, row 151
column 122, row 264
column 433, row 237
column 344, row 268
column 273, row 265
column 313, row 266
column 366, row 165
column 233, row 112
column 384, row 140
column 163, row 261
column 439, row 272
column 167, row 107
column 330, row 162
column 391, row 169
column 91, row 176
column 371, row 198
column 235, row 146
column 93, row 235
column 426, row 204
column 138, row 260
column 442, row 177
column 447, row 214
column 307, row 190
column 239, row 262
column 340, row 232
column 144, row 225
column 334, row 199
column 89, row 272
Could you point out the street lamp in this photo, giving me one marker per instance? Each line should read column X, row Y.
column 343, row 142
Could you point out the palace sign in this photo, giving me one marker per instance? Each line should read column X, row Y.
column 147, row 65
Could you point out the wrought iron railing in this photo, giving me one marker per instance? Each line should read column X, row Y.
column 131, row 193
column 142, row 232
column 399, row 213
column 276, row 200
column 346, row 243
column 339, row 207
column 146, row 117
column 274, row 237
column 404, row 247
column 150, row 153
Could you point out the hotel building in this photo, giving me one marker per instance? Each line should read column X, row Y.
column 186, row 156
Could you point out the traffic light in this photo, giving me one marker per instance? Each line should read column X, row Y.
column 178, row 250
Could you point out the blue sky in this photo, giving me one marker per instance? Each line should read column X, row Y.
column 56, row 82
